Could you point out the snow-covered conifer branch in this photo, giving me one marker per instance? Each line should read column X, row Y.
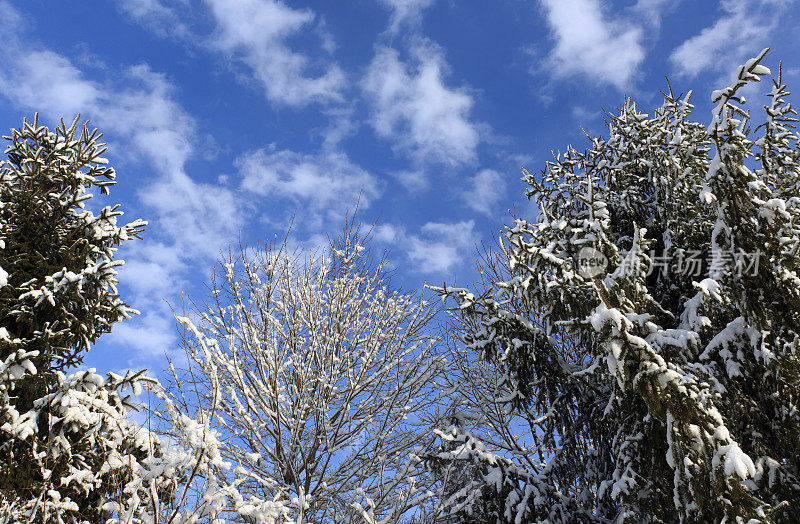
column 632, row 325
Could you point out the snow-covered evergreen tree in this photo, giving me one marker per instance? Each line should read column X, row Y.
column 68, row 450
column 58, row 295
column 648, row 324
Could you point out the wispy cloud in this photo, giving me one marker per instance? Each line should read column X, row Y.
column 405, row 12
column 412, row 105
column 437, row 249
column 161, row 18
column 45, row 81
column 256, row 31
column 263, row 35
column 323, row 186
column 589, row 44
column 190, row 220
column 412, row 180
column 653, row 10
column 485, row 192
column 743, row 29
column 441, row 246
column 142, row 114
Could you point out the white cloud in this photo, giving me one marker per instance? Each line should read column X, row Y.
column 405, row 12
column 652, row 10
column 588, row 44
column 190, row 220
column 10, row 19
column 163, row 20
column 737, row 35
column 46, row 82
column 152, row 335
column 413, row 106
column 143, row 114
column 441, row 246
column 341, row 125
column 152, row 269
column 412, row 180
column 485, row 192
column 437, row 249
column 145, row 111
column 256, row 31
column 153, row 272
column 386, row 233
column 326, row 183
column 316, row 245
column 199, row 218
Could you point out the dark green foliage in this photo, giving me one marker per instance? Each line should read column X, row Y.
column 656, row 393
column 58, row 295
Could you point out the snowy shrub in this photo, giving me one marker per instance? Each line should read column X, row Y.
column 645, row 326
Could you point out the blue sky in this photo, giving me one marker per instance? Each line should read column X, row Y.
column 225, row 118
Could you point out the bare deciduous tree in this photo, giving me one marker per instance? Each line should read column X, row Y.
column 325, row 379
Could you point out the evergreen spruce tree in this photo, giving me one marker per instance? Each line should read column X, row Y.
column 69, row 451
column 64, row 440
column 648, row 321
